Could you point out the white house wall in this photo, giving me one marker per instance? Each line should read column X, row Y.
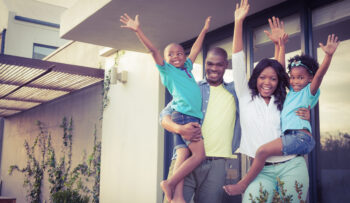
column 4, row 13
column 20, row 37
column 132, row 140
column 78, row 53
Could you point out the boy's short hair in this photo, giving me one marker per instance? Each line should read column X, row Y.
column 172, row 44
column 306, row 60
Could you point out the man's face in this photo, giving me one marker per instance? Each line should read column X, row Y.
column 215, row 66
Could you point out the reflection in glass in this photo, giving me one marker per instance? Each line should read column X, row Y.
column 40, row 51
column 334, row 105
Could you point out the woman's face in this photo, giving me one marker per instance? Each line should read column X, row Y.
column 267, row 82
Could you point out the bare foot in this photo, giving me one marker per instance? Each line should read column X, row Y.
column 167, row 189
column 235, row 189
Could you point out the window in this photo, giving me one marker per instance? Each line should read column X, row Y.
column 197, row 70
column 333, row 153
column 40, row 51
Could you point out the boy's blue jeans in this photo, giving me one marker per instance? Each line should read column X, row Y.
column 182, row 119
column 297, row 142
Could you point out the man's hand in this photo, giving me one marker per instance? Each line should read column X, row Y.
column 190, row 131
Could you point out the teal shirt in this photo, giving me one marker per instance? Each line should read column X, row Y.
column 294, row 101
column 186, row 94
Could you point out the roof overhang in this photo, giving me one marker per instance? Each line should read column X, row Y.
column 26, row 83
column 97, row 22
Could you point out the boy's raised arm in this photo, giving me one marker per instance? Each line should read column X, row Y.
column 240, row 14
column 134, row 25
column 329, row 49
column 197, row 46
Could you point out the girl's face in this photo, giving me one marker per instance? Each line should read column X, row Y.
column 267, row 82
column 299, row 78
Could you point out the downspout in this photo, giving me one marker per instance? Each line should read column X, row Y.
column 3, row 34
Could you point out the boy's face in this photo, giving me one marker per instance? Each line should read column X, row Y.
column 299, row 78
column 175, row 55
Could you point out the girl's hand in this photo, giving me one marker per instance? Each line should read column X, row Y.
column 207, row 23
column 277, row 30
column 129, row 22
column 241, row 10
column 331, row 46
column 304, row 113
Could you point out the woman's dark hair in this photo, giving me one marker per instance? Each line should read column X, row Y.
column 283, row 80
column 307, row 60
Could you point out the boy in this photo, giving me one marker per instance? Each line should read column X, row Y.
column 175, row 73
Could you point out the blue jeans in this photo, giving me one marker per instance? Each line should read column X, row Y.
column 182, row 119
column 297, row 142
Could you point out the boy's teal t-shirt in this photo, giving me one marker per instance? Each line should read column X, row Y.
column 294, row 101
column 186, row 94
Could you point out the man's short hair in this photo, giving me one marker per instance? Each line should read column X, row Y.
column 218, row 51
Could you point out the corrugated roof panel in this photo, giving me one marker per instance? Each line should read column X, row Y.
column 5, row 89
column 12, row 73
column 26, row 83
column 5, row 103
column 65, row 81
column 37, row 94
column 4, row 112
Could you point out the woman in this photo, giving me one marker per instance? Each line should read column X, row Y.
column 261, row 101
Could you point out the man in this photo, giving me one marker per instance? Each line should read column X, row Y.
column 220, row 129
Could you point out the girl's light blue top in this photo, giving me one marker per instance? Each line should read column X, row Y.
column 294, row 101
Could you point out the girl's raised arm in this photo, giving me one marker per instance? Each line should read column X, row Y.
column 329, row 49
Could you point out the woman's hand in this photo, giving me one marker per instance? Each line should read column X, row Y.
column 304, row 113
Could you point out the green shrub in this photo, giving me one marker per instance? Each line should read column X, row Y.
column 69, row 196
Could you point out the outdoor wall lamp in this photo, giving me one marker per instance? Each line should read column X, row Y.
column 121, row 76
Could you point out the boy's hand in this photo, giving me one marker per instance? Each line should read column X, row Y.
column 241, row 10
column 129, row 22
column 331, row 46
column 277, row 30
column 207, row 23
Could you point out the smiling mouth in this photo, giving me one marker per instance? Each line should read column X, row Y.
column 266, row 88
column 213, row 74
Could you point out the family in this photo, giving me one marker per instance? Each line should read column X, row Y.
column 211, row 119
